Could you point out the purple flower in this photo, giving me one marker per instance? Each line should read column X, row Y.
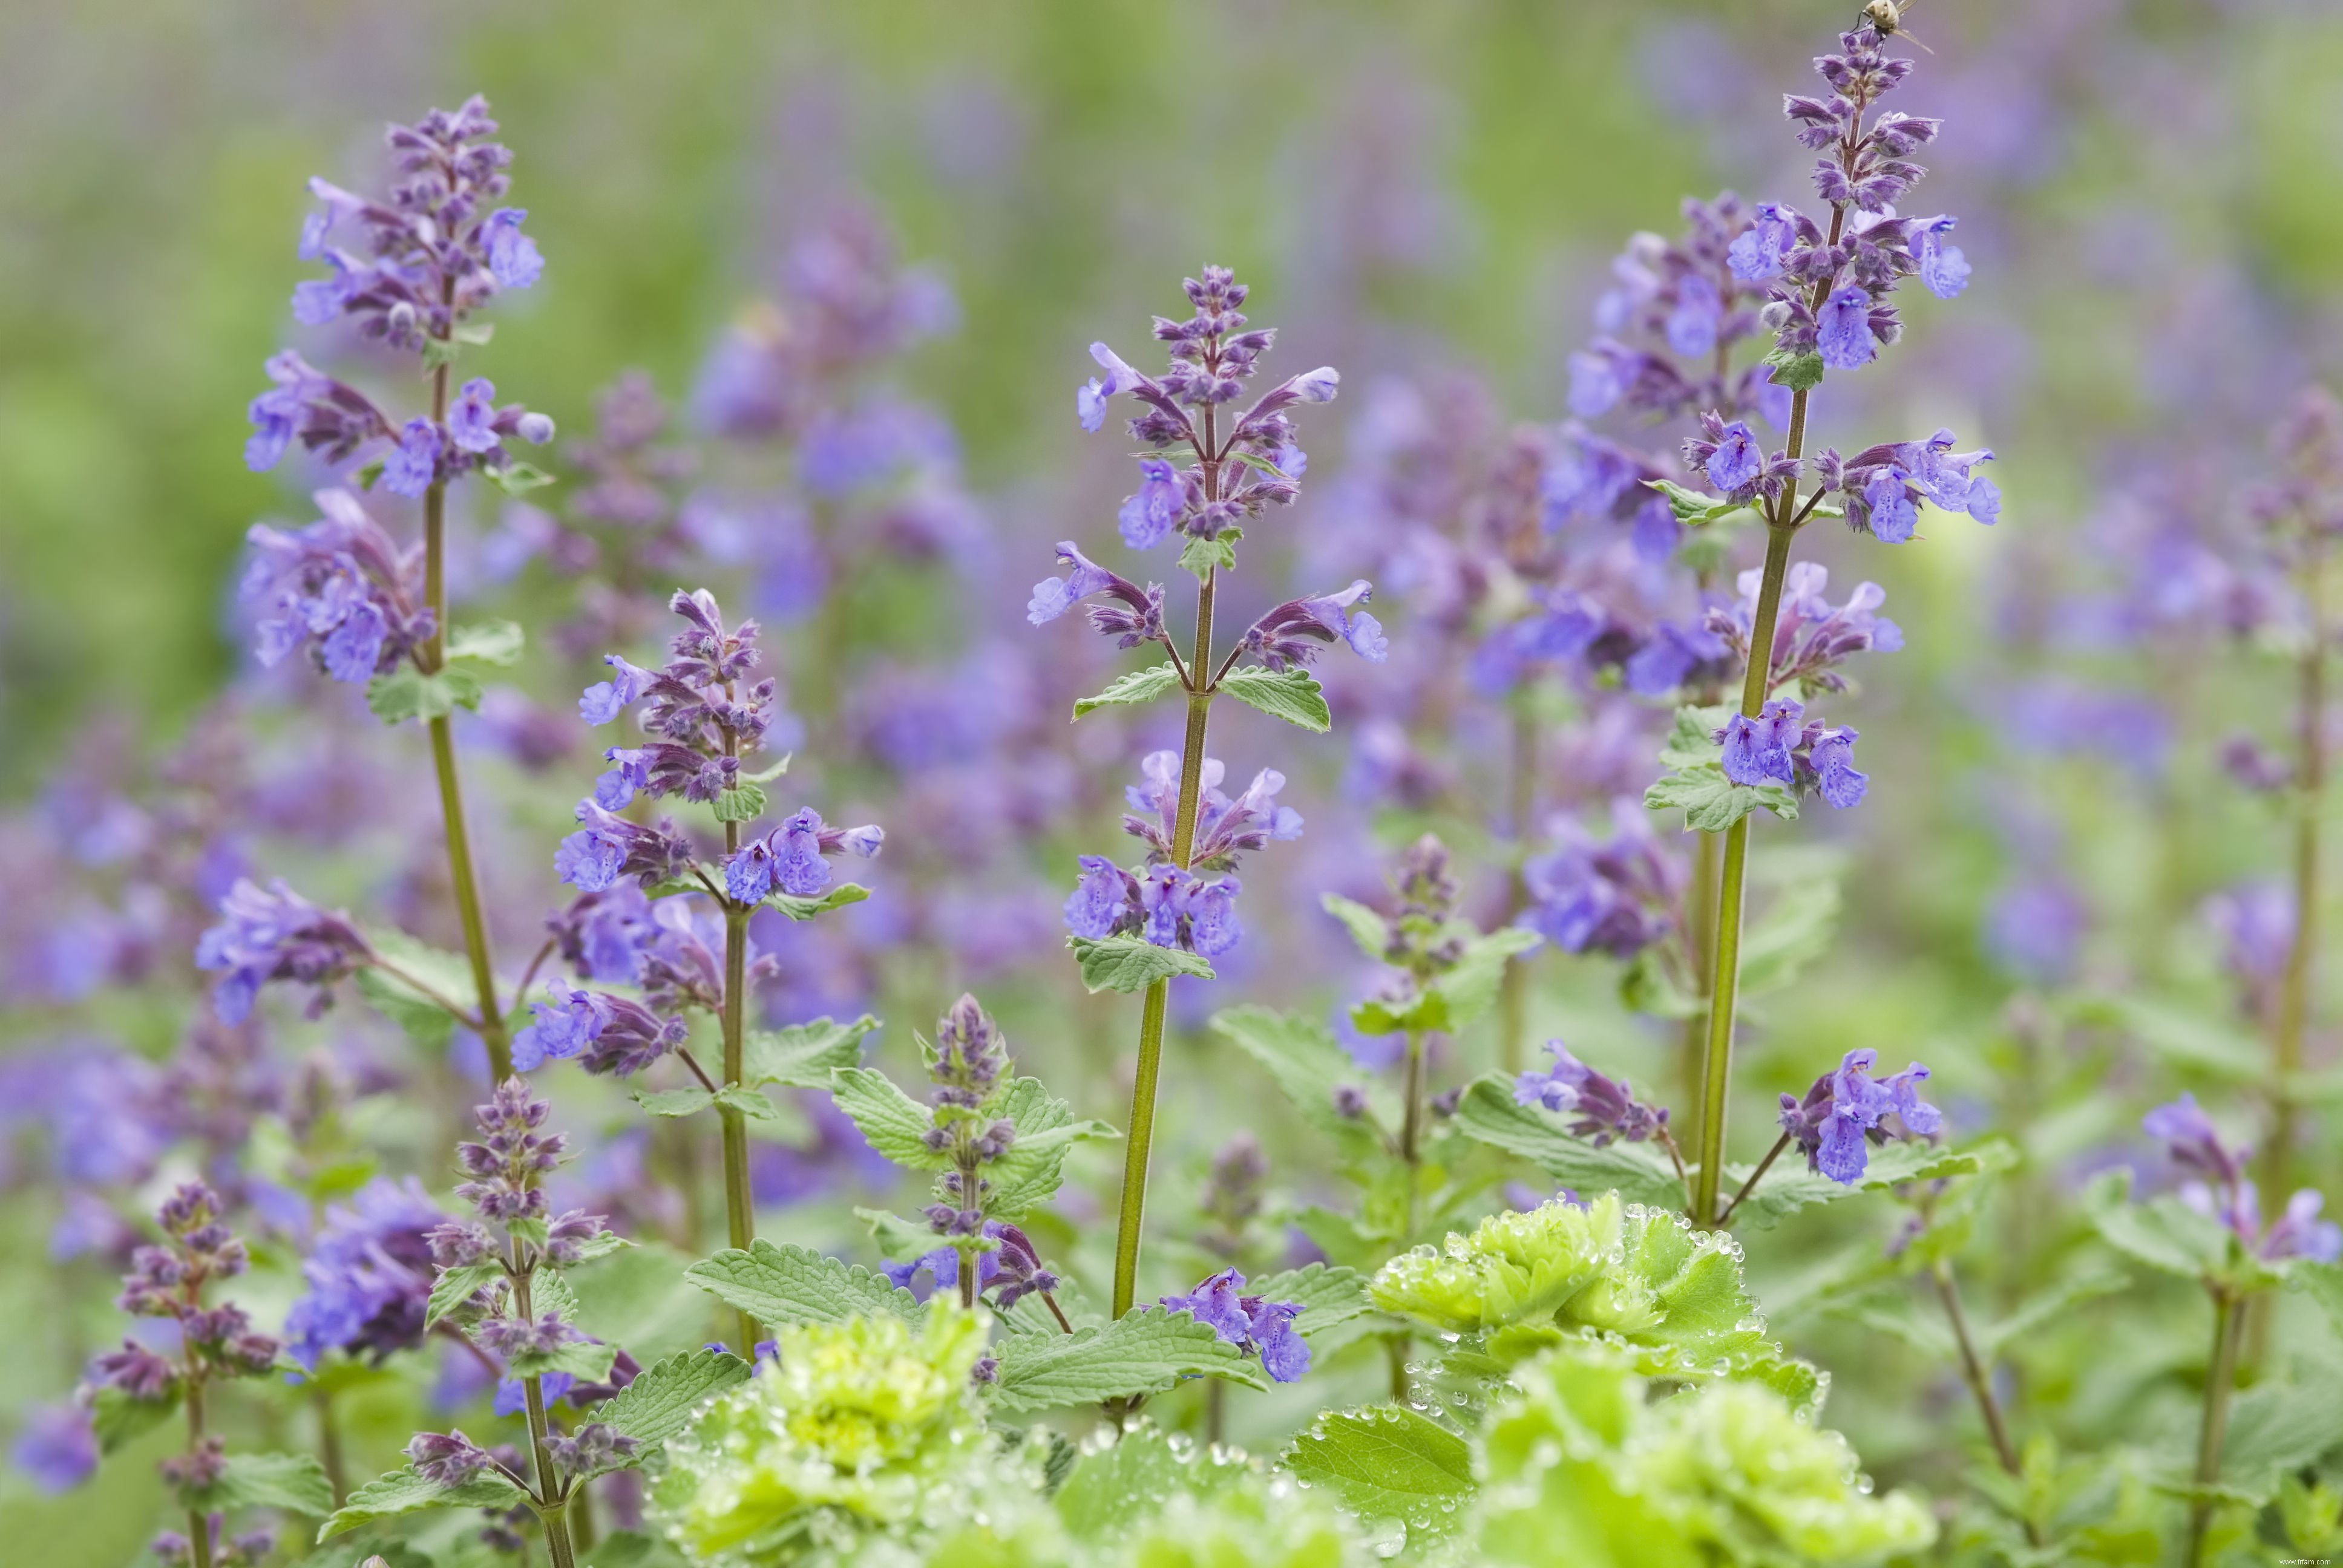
column 1847, row 1110
column 274, row 934
column 791, row 857
column 352, row 652
column 1842, row 334
column 1692, row 324
column 446, row 1459
column 1737, row 460
column 1612, row 897
column 2194, row 1142
column 1758, row 749
column 1757, row 253
column 1942, row 267
column 1887, row 498
column 1670, row 656
column 2299, row 1232
column 414, row 462
column 1606, row 1107
column 1137, row 618
column 1258, row 1326
column 57, row 1447
column 1148, row 516
column 1597, row 380
column 471, row 421
column 606, row 699
column 513, row 258
column 369, row 1275
column 1102, row 901
column 1285, row 637
column 1831, row 755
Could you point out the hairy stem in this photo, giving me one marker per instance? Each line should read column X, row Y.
column 1754, row 1177
column 1512, row 1039
column 548, row 1480
column 1152, row 1011
column 1974, row 1369
column 740, row 1203
column 460, row 877
column 199, row 1525
column 2219, row 1377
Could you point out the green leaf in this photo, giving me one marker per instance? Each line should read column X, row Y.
column 1328, row 1297
column 1146, row 1351
column 1116, row 1487
column 902, row 1241
column 631, row 1548
column 791, row 1284
column 1138, row 686
column 1307, row 1063
column 1637, row 1172
column 1292, row 695
column 1369, row 930
column 1130, row 964
column 1028, row 1175
column 404, row 1491
column 803, row 1055
column 427, row 1022
column 749, row 1100
column 495, row 642
column 1469, row 988
column 407, row 693
column 744, row 802
column 661, row 1401
column 1692, row 735
column 2185, row 1038
column 1795, row 929
column 585, row 1362
column 639, row 1298
column 1388, row 1462
column 1711, row 802
column 293, row 1482
column 2046, row 1307
column 1692, row 508
column 518, row 478
column 2277, row 1428
column 1798, row 372
column 1789, row 1187
column 767, row 775
column 456, row 1286
column 2163, row 1233
column 799, row 909
column 118, row 1419
column 894, row 1123
column 2323, row 1283
column 1204, row 557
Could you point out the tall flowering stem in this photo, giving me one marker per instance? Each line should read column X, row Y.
column 1241, row 467
column 1828, row 312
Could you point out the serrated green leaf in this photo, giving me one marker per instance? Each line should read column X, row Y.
column 903, row 1240
column 2163, row 1232
column 404, row 1491
column 1204, row 557
column 1470, row 986
column 118, row 1419
column 1328, row 1297
column 891, row 1122
column 1798, row 372
column 1138, row 686
column 803, row 1055
column 2046, row 1307
column 1292, row 695
column 1636, row 1171
column 799, row 909
column 791, row 1284
column 293, row 1482
column 2323, row 1283
column 1130, row 964
column 743, row 1098
column 407, row 693
column 426, row 1022
column 628, row 1549
column 453, row 1287
column 1143, row 1352
column 1029, row 1173
column 744, row 802
column 1368, row 930
column 1307, row 1063
column 661, row 1401
column 498, row 642
column 1711, row 802
column 1692, row 735
column 1388, row 1462
column 518, row 478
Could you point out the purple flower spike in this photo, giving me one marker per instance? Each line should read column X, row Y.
column 414, row 462
column 57, row 1447
column 1847, row 1110
column 1287, row 635
column 1258, row 1326
column 1606, row 1107
column 275, row 934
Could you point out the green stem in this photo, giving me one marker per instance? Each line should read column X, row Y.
column 2294, row 985
column 1411, row 1129
column 740, row 1203
column 1700, row 942
column 430, row 656
column 1973, row 1368
column 552, row 1509
column 329, row 1447
column 1152, row 1011
column 2219, row 1377
column 199, row 1525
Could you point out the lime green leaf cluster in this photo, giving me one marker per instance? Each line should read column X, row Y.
column 864, row 1426
column 1634, row 1277
column 1581, row 1468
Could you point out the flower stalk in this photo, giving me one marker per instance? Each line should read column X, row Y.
column 2220, row 1378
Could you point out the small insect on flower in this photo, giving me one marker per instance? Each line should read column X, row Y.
column 1885, row 17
